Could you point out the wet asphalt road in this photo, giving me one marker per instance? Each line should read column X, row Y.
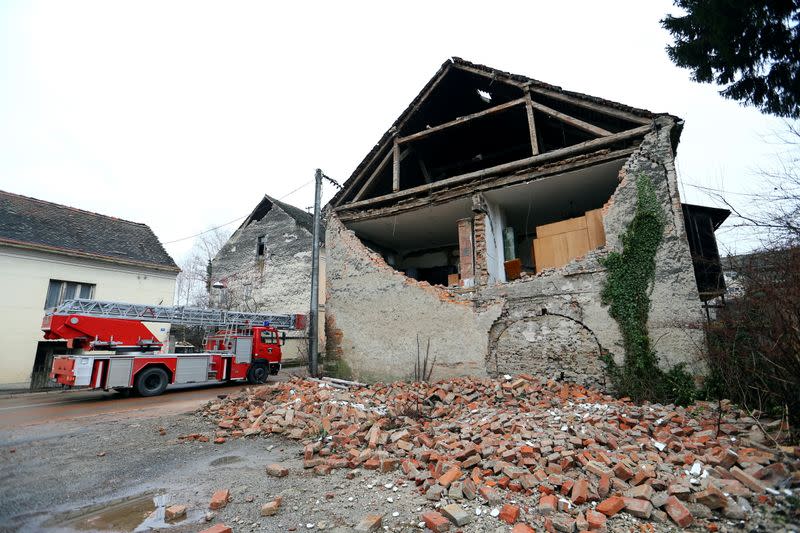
column 62, row 451
column 42, row 408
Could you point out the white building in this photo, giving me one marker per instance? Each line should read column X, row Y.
column 50, row 253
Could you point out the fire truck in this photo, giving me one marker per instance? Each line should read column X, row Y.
column 116, row 348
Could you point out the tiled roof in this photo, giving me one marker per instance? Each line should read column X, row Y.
column 26, row 221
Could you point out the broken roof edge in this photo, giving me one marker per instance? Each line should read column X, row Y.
column 515, row 79
column 302, row 218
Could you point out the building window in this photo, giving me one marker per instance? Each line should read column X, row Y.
column 58, row 291
column 260, row 248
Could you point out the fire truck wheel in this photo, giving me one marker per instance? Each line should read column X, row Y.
column 258, row 373
column 151, row 382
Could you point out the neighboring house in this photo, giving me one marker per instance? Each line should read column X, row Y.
column 50, row 253
column 266, row 267
column 480, row 220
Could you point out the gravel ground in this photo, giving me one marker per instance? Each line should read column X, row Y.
column 50, row 476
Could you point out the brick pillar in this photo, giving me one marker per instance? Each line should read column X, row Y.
column 479, row 234
column 466, row 255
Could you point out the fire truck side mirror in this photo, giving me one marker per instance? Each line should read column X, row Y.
column 283, row 338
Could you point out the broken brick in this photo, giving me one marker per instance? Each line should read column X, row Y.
column 218, row 528
column 638, row 508
column 435, row 522
column 277, row 470
column 371, row 522
column 678, row 512
column 509, row 513
column 611, row 506
column 271, row 508
column 174, row 512
column 219, row 499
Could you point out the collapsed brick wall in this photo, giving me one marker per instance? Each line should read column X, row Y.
column 375, row 313
column 568, row 344
column 279, row 281
column 552, row 324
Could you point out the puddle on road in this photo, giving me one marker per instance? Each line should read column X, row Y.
column 133, row 513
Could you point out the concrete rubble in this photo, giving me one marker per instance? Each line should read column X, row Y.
column 547, row 455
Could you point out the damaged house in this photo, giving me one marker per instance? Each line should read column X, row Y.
column 480, row 221
column 265, row 266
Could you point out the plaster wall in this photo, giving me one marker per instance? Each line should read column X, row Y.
column 375, row 314
column 24, row 278
column 568, row 346
column 552, row 324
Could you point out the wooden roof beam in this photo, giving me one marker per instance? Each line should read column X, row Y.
column 378, row 170
column 460, row 120
column 592, row 106
column 572, row 121
column 560, row 153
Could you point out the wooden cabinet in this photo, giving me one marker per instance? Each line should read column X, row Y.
column 559, row 243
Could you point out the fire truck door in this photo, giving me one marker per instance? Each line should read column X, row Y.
column 243, row 349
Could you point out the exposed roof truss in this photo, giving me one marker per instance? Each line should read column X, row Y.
column 471, row 123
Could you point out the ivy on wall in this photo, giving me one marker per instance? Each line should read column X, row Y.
column 626, row 292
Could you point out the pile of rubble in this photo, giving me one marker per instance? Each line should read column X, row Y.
column 569, row 458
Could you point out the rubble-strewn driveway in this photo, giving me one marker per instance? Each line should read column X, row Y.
column 104, row 472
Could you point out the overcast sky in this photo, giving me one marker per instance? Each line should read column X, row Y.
column 182, row 115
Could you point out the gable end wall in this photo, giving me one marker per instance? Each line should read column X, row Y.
column 375, row 313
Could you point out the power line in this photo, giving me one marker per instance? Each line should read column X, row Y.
column 235, row 219
column 721, row 191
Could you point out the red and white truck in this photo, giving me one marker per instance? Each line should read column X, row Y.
column 116, row 347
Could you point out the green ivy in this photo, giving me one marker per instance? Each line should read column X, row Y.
column 626, row 292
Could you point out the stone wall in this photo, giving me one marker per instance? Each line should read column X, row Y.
column 374, row 315
column 568, row 345
column 552, row 324
column 280, row 280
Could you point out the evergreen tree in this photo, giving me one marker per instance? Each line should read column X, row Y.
column 750, row 47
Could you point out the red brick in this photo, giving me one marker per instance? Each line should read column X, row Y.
column 522, row 528
column 218, row 528
column 509, row 513
column 388, row 464
column 712, row 497
column 173, row 512
column 219, row 499
column 435, row 522
column 638, row 508
column 448, row 477
column 489, row 494
column 678, row 512
column 277, row 470
column 580, row 491
column 547, row 504
column 371, row 522
column 747, row 480
column 271, row 508
column 611, row 506
column 622, row 471
column 596, row 520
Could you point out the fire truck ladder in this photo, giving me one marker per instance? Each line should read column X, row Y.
column 188, row 316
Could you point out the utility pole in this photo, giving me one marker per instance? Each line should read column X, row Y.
column 313, row 325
